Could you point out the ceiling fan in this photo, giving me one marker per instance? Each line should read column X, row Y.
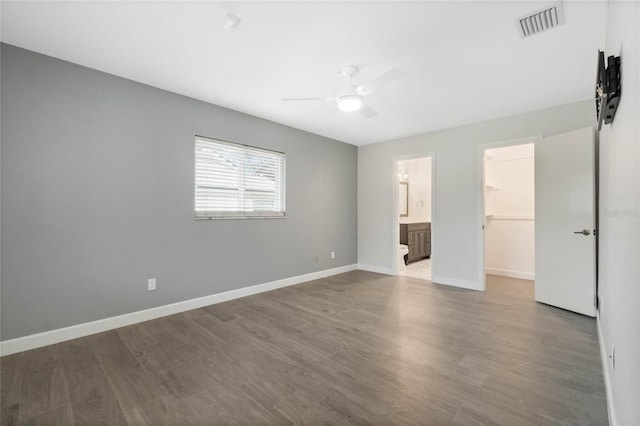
column 350, row 98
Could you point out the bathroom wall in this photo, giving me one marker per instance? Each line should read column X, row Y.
column 509, row 205
column 419, row 207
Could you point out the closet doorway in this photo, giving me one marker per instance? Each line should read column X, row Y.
column 413, row 228
column 509, row 202
column 558, row 245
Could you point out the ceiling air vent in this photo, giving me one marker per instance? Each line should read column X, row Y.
column 541, row 20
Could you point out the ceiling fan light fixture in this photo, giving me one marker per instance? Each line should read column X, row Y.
column 349, row 103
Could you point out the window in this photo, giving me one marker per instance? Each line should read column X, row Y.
column 235, row 181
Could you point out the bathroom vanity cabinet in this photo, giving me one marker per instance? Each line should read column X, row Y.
column 416, row 236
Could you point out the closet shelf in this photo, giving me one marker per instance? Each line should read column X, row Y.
column 496, row 216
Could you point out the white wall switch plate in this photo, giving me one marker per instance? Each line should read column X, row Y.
column 151, row 284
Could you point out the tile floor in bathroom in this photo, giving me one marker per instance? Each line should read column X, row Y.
column 420, row 269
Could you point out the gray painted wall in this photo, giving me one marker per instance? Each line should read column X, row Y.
column 97, row 197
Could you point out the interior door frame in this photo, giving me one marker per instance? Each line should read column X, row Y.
column 395, row 267
column 481, row 197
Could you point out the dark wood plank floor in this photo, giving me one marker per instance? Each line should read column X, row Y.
column 355, row 348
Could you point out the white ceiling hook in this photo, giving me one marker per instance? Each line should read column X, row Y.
column 229, row 20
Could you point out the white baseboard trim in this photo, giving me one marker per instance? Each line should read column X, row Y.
column 376, row 269
column 38, row 340
column 513, row 274
column 613, row 418
column 455, row 282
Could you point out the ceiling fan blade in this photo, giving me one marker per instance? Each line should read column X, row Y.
column 383, row 79
column 306, row 99
column 367, row 111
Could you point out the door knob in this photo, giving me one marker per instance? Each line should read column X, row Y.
column 583, row 232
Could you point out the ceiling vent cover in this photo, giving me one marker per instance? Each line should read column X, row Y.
column 541, row 20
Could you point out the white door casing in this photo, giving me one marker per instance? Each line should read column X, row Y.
column 564, row 206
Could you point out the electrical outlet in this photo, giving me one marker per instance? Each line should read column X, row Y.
column 333, row 254
column 316, row 259
column 151, row 284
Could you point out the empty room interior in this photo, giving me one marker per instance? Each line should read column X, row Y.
column 319, row 212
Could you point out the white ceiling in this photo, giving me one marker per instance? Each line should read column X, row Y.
column 464, row 61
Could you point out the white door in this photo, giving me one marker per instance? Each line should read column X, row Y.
column 565, row 221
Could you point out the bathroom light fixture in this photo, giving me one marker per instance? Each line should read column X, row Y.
column 349, row 103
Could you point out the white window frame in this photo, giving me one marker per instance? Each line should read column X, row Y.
column 232, row 177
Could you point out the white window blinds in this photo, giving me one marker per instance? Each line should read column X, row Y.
column 237, row 181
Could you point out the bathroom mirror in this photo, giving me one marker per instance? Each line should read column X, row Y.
column 403, row 199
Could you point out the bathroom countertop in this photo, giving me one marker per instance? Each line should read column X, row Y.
column 412, row 221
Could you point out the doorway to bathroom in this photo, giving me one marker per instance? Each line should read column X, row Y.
column 414, row 216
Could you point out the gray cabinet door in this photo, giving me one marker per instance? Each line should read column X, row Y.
column 420, row 237
column 417, row 237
